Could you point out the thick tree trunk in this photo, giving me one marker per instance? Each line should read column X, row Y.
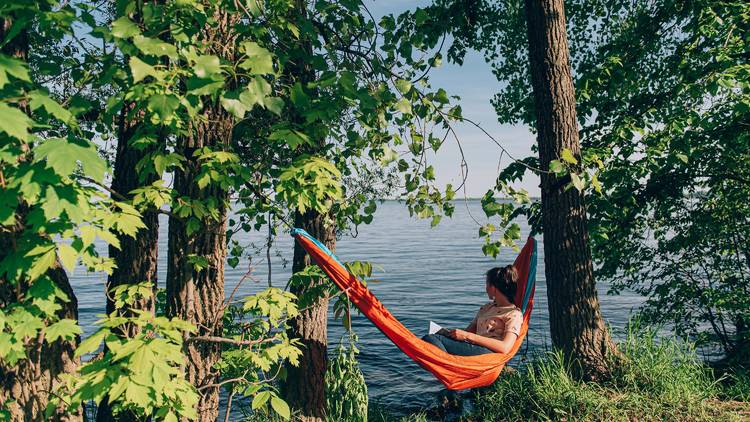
column 576, row 322
column 304, row 388
column 136, row 259
column 197, row 295
column 29, row 383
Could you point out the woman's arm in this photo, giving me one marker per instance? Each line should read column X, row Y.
column 497, row 346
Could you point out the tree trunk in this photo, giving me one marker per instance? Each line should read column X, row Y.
column 30, row 382
column 304, row 387
column 576, row 322
column 136, row 259
column 197, row 295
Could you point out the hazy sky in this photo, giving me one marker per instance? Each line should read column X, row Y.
column 476, row 85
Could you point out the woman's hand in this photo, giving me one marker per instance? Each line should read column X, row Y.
column 459, row 335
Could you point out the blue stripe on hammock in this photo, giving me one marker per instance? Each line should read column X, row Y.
column 321, row 246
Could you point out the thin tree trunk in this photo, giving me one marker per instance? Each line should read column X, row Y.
column 136, row 259
column 304, row 388
column 29, row 383
column 576, row 322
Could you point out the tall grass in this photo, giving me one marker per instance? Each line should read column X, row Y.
column 652, row 379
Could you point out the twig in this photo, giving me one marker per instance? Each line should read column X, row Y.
column 216, row 339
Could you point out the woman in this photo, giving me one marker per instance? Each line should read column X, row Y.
column 497, row 324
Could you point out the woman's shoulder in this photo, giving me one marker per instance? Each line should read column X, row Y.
column 511, row 310
column 487, row 306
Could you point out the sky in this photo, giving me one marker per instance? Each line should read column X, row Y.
column 476, row 85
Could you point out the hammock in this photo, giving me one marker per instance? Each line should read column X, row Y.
column 456, row 372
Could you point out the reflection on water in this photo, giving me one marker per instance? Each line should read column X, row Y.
column 426, row 274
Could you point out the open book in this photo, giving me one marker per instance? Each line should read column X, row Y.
column 434, row 328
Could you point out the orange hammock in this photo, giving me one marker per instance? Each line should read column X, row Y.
column 456, row 372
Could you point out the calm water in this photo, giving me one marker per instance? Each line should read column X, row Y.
column 427, row 274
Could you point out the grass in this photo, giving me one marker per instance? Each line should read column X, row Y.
column 653, row 380
column 379, row 414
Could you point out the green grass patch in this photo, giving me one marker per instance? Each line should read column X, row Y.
column 654, row 379
column 380, row 414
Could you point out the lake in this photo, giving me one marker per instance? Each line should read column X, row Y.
column 426, row 274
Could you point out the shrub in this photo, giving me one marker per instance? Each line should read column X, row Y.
column 346, row 391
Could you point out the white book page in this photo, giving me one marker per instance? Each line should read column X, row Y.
column 434, row 328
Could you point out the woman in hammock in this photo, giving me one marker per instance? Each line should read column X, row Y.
column 496, row 325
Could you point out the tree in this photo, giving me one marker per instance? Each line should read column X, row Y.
column 35, row 364
column 670, row 223
column 185, row 87
column 136, row 256
column 52, row 211
column 576, row 323
column 661, row 95
column 352, row 96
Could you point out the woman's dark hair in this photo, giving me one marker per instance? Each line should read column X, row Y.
column 504, row 279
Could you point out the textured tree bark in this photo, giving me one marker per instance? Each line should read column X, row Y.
column 136, row 259
column 304, row 387
column 30, row 382
column 197, row 296
column 576, row 322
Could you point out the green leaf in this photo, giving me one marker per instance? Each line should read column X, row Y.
column 92, row 343
column 68, row 256
column 299, row 98
column 234, row 106
column 292, row 137
column 595, row 183
column 255, row 93
column 29, row 326
column 259, row 60
column 197, row 86
column 141, row 70
column 403, row 86
column 557, row 167
column 568, row 157
column 206, row 66
column 124, row 28
column 260, row 399
column 62, row 155
column 281, row 407
column 42, row 289
column 138, row 394
column 155, row 47
column 403, row 105
column 39, row 99
column 65, row 328
column 577, row 181
column 14, row 122
column 42, row 262
column 13, row 67
column 274, row 104
column 164, row 106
